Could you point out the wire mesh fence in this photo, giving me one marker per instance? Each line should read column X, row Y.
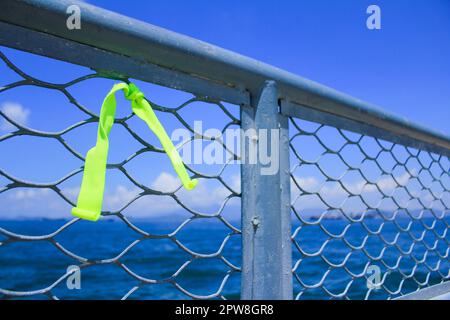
column 371, row 217
column 175, row 255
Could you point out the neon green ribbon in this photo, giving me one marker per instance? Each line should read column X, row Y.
column 90, row 198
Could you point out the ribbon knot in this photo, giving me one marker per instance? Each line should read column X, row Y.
column 132, row 92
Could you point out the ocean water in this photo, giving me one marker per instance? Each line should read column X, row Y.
column 421, row 254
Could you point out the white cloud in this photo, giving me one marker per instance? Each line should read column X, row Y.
column 30, row 194
column 203, row 196
column 32, row 203
column 72, row 193
column 15, row 112
column 207, row 197
column 166, row 182
column 335, row 194
column 119, row 197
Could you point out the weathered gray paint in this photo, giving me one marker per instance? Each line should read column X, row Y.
column 248, row 206
column 266, row 267
column 144, row 42
column 285, row 210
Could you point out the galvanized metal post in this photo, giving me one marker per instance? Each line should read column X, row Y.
column 266, row 223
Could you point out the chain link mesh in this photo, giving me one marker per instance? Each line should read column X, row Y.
column 371, row 217
column 142, row 245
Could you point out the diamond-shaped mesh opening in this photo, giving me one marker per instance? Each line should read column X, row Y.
column 155, row 240
column 370, row 217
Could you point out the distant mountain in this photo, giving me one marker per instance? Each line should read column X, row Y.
column 371, row 214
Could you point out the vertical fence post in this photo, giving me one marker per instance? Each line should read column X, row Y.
column 266, row 222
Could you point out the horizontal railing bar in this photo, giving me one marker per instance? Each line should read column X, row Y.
column 298, row 111
column 439, row 291
column 132, row 38
column 113, row 64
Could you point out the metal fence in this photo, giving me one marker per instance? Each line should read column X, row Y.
column 359, row 208
column 392, row 202
column 144, row 191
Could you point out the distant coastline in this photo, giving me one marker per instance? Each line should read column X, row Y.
column 310, row 214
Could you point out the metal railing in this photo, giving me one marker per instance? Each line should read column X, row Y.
column 143, row 191
column 359, row 208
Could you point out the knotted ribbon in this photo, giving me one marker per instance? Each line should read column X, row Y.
column 90, row 198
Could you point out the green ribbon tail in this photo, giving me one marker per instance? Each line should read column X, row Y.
column 90, row 198
column 144, row 111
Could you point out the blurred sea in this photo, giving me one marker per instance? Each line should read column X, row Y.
column 32, row 265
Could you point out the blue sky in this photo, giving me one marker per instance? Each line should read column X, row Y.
column 404, row 67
